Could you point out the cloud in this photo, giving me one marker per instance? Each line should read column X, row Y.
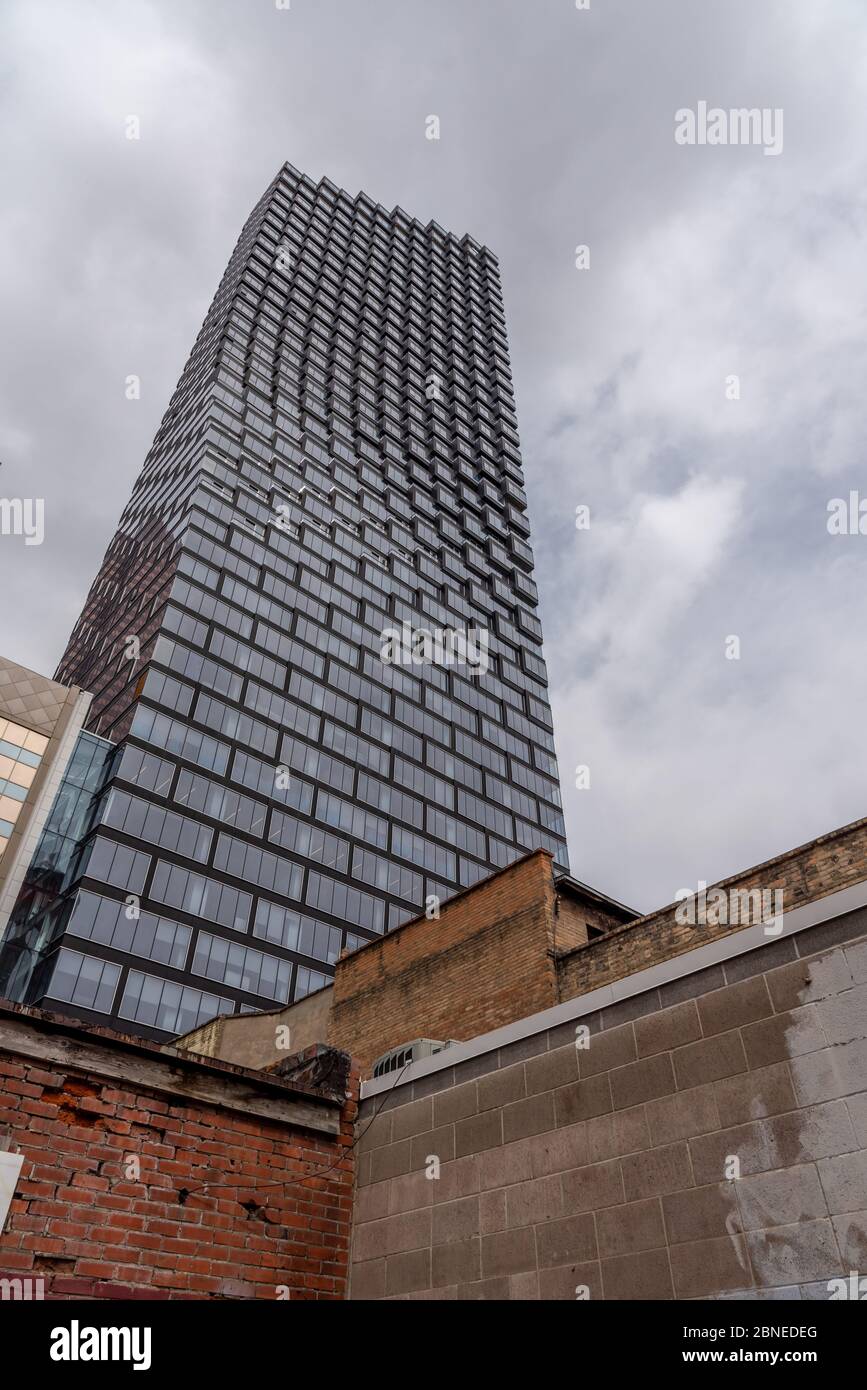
column 557, row 130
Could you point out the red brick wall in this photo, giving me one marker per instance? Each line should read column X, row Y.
column 484, row 963
column 79, row 1222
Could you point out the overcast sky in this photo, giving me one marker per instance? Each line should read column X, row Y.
column 708, row 515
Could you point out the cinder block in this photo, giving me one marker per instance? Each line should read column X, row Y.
column 588, row 1189
column 658, row 1171
column 701, row 1213
column 439, row 1143
column 558, row 1150
column 507, row 1164
column 844, row 1181
column 836, row 1071
column 530, row 1203
column 628, row 1229
column 455, row 1104
column 457, row 1263
column 851, row 1232
column 532, row 1116
column 794, row 1254
column 391, row 1161
column 844, row 1016
column 778, row 1142
column 523, row 1287
column 613, row 1047
column 781, row 1197
column 485, row 1290
column 804, row 981
column 479, row 1132
column 735, row 1005
column 409, row 1230
column 646, row 1275
column 371, row 1202
column 457, row 1179
column 370, row 1242
column 642, row 1081
column 374, row 1132
column 670, row 1028
column 856, row 958
column 857, row 1107
column 755, row 1094
column 789, row 1034
column 367, row 1281
column 414, row 1118
column 683, row 1115
column 566, row 1242
column 407, row 1272
column 508, row 1252
column 455, row 1221
column 705, row 1267
column 500, row 1087
column 609, row 1136
column 552, row 1069
column 566, row 1283
column 408, row 1192
column 492, row 1211
column 582, row 1100
column 710, row 1059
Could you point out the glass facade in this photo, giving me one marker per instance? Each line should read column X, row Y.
column 314, row 638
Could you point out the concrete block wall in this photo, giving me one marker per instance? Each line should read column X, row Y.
column 710, row 1141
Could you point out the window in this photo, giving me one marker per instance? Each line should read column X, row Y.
column 385, row 874
column 146, row 770
column 297, row 932
column 344, row 815
column 257, row 866
column 309, row 841
column 105, row 920
column 200, row 896
column 84, row 980
column 116, row 864
column 167, row 1006
column 349, row 904
column 308, row 981
column 422, row 852
column 146, row 821
column 241, row 967
column 388, row 798
column 219, row 802
column 177, row 738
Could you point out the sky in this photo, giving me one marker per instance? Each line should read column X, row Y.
column 695, row 378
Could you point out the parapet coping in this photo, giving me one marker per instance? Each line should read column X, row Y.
column 677, row 968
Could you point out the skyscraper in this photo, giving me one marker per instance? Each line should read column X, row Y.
column 313, row 639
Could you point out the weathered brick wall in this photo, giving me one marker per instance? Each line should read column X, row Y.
column 275, row 1212
column 485, row 962
column 609, row 1168
column 812, row 871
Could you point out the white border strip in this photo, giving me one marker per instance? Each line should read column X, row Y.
column 677, row 968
